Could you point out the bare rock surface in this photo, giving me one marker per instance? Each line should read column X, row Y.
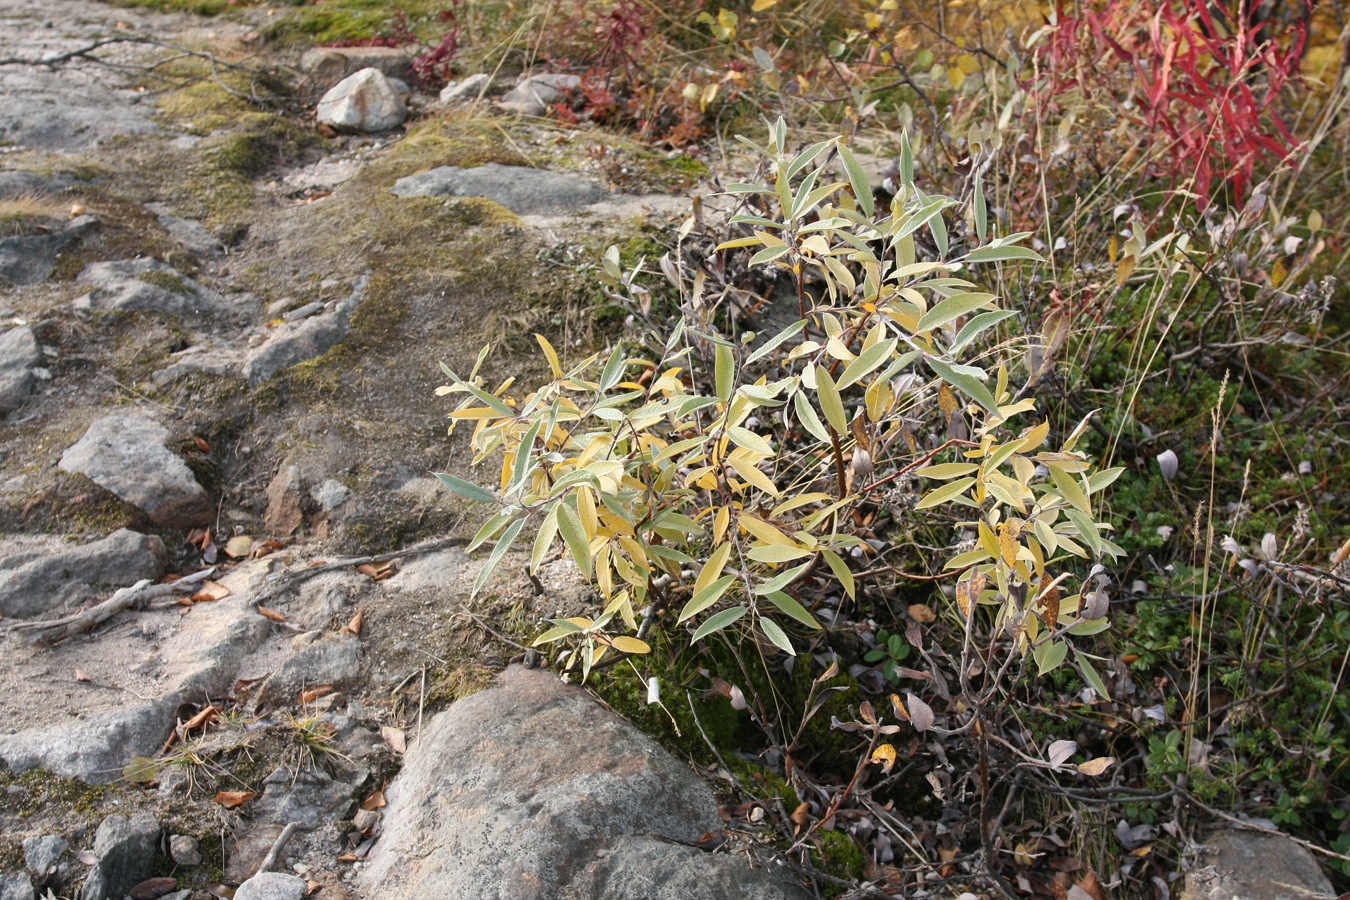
column 126, row 454
column 1254, row 866
column 522, row 790
column 365, row 101
column 29, row 259
column 272, row 886
column 297, row 341
column 144, row 285
column 20, row 354
column 522, row 190
column 125, row 851
column 125, row 705
column 37, row 577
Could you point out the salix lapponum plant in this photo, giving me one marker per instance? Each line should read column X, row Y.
column 708, row 487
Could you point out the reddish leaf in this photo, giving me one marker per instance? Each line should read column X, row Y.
column 233, row 799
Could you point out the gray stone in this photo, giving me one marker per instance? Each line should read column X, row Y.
column 190, row 234
column 194, row 656
column 1254, row 866
column 651, row 869
column 125, row 454
column 125, row 851
column 534, row 96
column 516, row 791
column 144, row 285
column 363, row 102
column 248, row 849
column 29, row 259
column 335, row 660
column 272, row 886
column 330, row 494
column 184, row 850
column 15, row 886
column 292, row 343
column 522, row 190
column 309, row 798
column 327, row 66
column 466, row 91
column 19, row 356
column 36, row 584
column 42, row 852
column 27, row 184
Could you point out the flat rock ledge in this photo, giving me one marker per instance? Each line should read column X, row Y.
column 522, row 190
column 531, row 789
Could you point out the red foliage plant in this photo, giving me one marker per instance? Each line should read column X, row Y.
column 1202, row 83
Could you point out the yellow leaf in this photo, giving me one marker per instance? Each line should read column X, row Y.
column 1007, row 542
column 630, row 645
column 884, row 756
column 761, row 5
column 552, row 355
column 968, row 64
column 1278, row 273
column 720, row 523
column 956, row 77
column 1096, row 766
column 765, row 532
column 746, row 469
column 713, row 568
column 1125, row 269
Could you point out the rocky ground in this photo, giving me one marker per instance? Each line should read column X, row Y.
column 221, row 336
column 220, row 329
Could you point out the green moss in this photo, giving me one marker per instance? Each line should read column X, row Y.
column 839, row 855
column 200, row 7
column 27, row 793
column 165, row 280
column 204, row 106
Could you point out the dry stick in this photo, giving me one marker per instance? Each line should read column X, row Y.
column 271, row 858
column 53, row 631
column 291, row 579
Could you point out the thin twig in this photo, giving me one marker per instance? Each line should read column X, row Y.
column 291, row 579
column 53, row 631
column 277, row 846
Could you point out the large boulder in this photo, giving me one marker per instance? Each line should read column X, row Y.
column 531, row 789
column 125, row 454
column 364, row 102
column 1254, row 866
column 145, row 285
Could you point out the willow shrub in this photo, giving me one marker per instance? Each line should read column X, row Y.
column 711, row 486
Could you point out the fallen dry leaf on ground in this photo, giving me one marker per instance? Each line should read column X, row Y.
column 233, row 799
column 374, row 801
column 354, row 626
column 395, row 738
column 211, row 590
column 271, row 614
column 238, row 546
column 315, row 693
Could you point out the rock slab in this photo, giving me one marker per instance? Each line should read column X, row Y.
column 365, row 101
column 144, row 285
column 125, row 454
column 522, row 190
column 36, row 583
column 125, row 848
column 1255, row 866
column 532, row 790
column 19, row 356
